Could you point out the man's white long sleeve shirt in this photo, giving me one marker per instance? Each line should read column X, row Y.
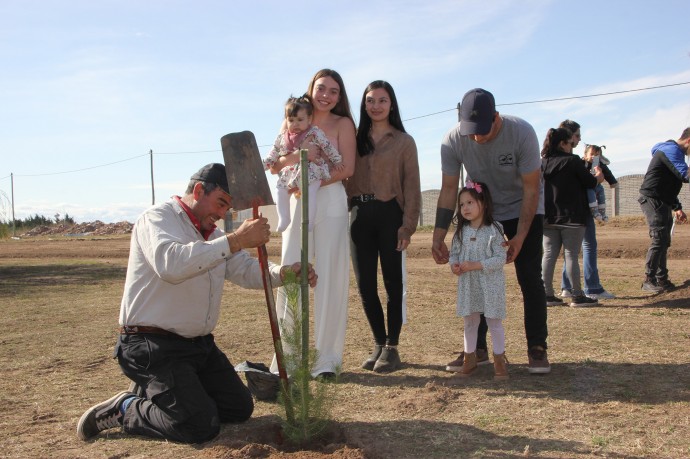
column 175, row 277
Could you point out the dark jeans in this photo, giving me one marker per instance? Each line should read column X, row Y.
column 374, row 232
column 528, row 271
column 191, row 387
column 660, row 220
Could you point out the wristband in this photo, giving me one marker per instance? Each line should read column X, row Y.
column 443, row 218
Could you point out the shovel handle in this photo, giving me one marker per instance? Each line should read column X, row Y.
column 272, row 317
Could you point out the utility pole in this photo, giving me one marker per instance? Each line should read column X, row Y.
column 12, row 192
column 153, row 193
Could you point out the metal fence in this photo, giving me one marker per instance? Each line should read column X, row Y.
column 620, row 201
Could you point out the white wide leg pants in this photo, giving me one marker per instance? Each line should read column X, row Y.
column 329, row 252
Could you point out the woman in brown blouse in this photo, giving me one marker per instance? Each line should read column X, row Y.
column 385, row 197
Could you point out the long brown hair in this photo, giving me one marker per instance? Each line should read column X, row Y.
column 342, row 108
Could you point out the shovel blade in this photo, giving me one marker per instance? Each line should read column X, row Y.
column 245, row 171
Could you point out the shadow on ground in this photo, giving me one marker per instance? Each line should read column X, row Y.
column 15, row 280
column 584, row 382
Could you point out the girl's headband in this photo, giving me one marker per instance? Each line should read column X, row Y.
column 473, row 185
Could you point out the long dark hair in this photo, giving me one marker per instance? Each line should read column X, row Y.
column 364, row 144
column 553, row 139
column 479, row 191
column 342, row 108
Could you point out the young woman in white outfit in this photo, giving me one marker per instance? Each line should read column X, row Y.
column 329, row 243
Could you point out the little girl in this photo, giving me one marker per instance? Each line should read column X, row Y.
column 477, row 256
column 299, row 133
column 596, row 195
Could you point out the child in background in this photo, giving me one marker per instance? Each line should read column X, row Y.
column 597, row 197
column 299, row 133
column 477, row 257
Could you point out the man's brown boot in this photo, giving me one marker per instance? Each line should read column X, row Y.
column 500, row 366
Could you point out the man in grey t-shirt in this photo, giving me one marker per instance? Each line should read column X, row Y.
column 503, row 152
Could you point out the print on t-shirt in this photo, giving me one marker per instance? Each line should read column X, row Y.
column 505, row 159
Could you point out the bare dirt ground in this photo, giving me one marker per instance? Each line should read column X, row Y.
column 620, row 385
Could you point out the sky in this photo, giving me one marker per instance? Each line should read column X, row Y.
column 88, row 89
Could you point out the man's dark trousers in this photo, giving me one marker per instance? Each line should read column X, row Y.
column 191, row 387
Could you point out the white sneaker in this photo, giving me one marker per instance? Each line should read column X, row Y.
column 602, row 296
column 566, row 294
column 602, row 212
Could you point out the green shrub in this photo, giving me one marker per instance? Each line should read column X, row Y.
column 5, row 230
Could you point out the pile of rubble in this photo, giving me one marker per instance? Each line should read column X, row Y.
column 96, row 228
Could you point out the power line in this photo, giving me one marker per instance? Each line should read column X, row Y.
column 80, row 170
column 596, row 95
column 186, row 152
column 431, row 114
column 514, row 103
column 408, row 119
column 562, row 98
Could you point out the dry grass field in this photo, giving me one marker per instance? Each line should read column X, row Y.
column 620, row 385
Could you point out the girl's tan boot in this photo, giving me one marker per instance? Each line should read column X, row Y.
column 500, row 366
column 469, row 364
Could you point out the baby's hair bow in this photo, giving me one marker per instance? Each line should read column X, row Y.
column 470, row 184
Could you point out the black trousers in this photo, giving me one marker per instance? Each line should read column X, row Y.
column 191, row 387
column 374, row 233
column 528, row 271
column 659, row 218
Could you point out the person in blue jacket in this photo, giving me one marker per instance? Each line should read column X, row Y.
column 659, row 201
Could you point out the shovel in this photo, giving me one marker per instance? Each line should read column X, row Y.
column 249, row 190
